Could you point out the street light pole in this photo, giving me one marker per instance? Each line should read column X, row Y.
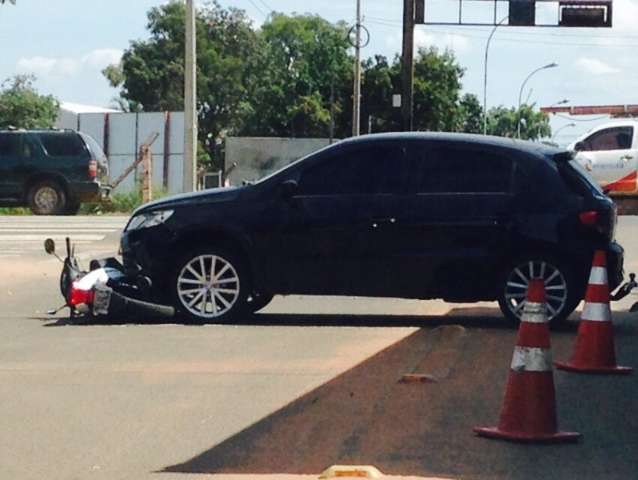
column 569, row 125
column 190, row 102
column 407, row 66
column 356, row 108
column 520, row 93
column 487, row 48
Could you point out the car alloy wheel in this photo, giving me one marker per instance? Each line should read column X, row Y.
column 46, row 198
column 208, row 286
column 556, row 287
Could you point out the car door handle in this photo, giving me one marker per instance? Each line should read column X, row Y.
column 377, row 222
column 627, row 157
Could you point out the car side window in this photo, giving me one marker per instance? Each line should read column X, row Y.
column 463, row 170
column 9, row 144
column 366, row 170
column 58, row 145
column 615, row 138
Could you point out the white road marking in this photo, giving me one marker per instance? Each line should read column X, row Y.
column 25, row 235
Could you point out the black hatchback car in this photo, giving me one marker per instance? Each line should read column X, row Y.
column 459, row 217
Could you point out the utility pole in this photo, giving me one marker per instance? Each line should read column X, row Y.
column 407, row 66
column 356, row 107
column 190, row 102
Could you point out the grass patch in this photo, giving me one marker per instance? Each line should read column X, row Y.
column 14, row 211
column 118, row 203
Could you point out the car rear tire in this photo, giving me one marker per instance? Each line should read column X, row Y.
column 210, row 285
column 47, row 198
column 564, row 291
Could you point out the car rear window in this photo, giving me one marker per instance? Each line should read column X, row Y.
column 62, row 145
column 95, row 148
column 579, row 179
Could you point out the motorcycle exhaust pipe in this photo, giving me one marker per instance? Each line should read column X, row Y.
column 122, row 305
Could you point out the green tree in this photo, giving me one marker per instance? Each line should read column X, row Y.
column 304, row 58
column 293, row 77
column 437, row 85
column 470, row 114
column 381, row 80
column 21, row 106
column 151, row 73
column 503, row 122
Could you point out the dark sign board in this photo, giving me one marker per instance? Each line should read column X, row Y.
column 522, row 13
column 585, row 13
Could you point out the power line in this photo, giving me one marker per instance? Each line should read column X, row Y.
column 258, row 8
column 268, row 7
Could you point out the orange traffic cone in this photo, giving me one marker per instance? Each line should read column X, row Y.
column 594, row 351
column 529, row 408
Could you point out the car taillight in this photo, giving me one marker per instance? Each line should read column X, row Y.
column 79, row 296
column 589, row 218
column 93, row 168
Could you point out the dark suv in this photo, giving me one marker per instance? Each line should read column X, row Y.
column 458, row 217
column 51, row 171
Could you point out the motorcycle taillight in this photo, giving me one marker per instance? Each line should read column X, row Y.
column 79, row 296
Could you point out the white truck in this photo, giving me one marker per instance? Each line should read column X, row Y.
column 610, row 153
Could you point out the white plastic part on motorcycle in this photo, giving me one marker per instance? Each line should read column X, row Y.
column 101, row 275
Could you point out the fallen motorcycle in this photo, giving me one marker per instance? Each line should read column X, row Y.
column 105, row 290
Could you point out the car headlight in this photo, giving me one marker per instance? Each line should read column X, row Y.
column 149, row 219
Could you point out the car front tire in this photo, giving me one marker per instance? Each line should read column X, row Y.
column 563, row 290
column 210, row 285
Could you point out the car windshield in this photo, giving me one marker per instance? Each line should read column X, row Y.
column 292, row 164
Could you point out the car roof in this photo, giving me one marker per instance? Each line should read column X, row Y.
column 39, row 130
column 534, row 148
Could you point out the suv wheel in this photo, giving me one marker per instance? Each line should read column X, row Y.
column 47, row 198
column 562, row 290
column 210, row 285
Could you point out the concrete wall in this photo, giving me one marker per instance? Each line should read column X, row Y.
column 258, row 157
column 120, row 136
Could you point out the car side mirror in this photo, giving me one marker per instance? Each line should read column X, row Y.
column 579, row 147
column 289, row 189
column 49, row 246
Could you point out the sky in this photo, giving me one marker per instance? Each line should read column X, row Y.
column 66, row 44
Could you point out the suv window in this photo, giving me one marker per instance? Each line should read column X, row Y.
column 463, row 170
column 9, row 144
column 61, row 145
column 367, row 170
column 615, row 138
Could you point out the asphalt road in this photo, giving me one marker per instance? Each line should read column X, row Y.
column 307, row 383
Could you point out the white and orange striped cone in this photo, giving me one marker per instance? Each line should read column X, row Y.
column 595, row 351
column 529, row 408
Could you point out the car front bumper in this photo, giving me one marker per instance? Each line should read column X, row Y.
column 615, row 265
